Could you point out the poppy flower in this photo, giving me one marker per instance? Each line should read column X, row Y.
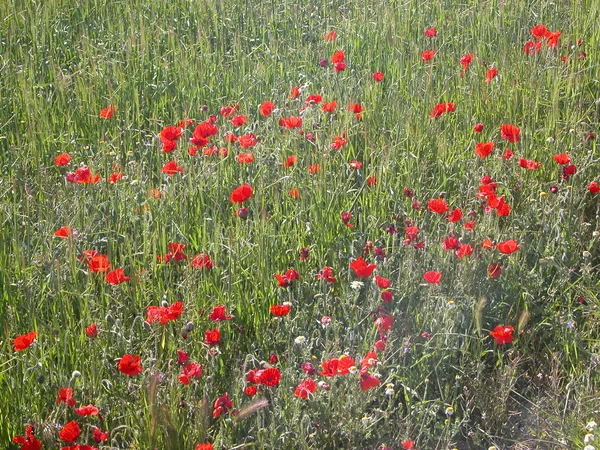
column 382, row 282
column 116, row 276
column 295, row 92
column 484, row 149
column 63, row 232
column 24, row 341
column 280, row 310
column 62, row 160
column 91, row 331
column 326, row 273
column 331, row 36
column 227, row 110
column 313, row 99
column 86, row 411
column 115, row 177
column 201, row 261
column 432, row 277
column 100, row 436
column 99, row 264
column 507, row 247
column 245, row 158
column 562, row 158
column 70, row 432
column 593, row 187
column 130, row 365
column 378, row 77
column 464, row 250
column 65, row 395
column 465, row 60
column 455, row 215
column 241, row 194
column 503, row 334
column 552, row 38
column 338, row 57
column 451, row 243
column 29, row 441
column 291, row 122
column 170, row 133
column 568, row 171
column 478, row 127
column 491, row 74
column 427, row 55
column 330, row 367
column 305, row 388
column 82, row 175
column 251, row 391
column 539, row 31
column 189, row 371
column 266, row 108
column 408, row 445
column 437, row 206
column 212, row 337
column 164, row 314
column 289, row 161
column 268, row 377
column 368, row 381
column 361, row 268
column 171, row 168
column 494, row 270
column 218, row 314
column 339, row 141
column 239, row 120
column 314, row 168
column 510, row 133
column 430, row 32
column 441, row 108
column 294, row 193
column 329, row 106
column 371, row 181
column 346, row 217
column 508, row 154
column 222, row 405
column 108, row 112
column 531, row 48
column 247, row 140
column 205, row 446
column 529, row 164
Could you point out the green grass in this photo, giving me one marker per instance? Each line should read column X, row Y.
column 61, row 63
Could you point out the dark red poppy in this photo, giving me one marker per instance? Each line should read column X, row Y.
column 241, row 194
column 478, row 127
column 494, row 270
column 368, row 381
column 100, row 436
column 382, row 282
column 593, row 187
column 222, row 405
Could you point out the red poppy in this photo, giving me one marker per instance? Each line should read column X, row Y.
column 280, row 310
column 326, row 273
column 218, row 314
column 531, row 48
column 437, row 206
column 484, row 149
column 295, row 92
column 201, row 261
column 294, row 193
column 204, row 130
column 65, row 395
column 108, row 112
column 241, row 194
column 455, row 215
column 130, row 365
column 330, row 367
column 267, row 108
column 222, row 405
column 239, row 120
column 116, row 276
column 331, row 36
column 247, row 140
column 552, row 38
column 251, row 391
column 189, row 371
column 99, row 436
column 593, row 187
column 62, row 160
column 339, row 141
column 171, row 168
column 346, row 217
column 70, row 431
column 432, row 277
column 529, row 164
column 430, row 32
column 268, row 377
column 378, row 77
column 245, row 158
column 228, row 110
column 507, row 247
column 99, row 264
column 29, row 441
column 314, row 168
column 91, row 331
column 465, row 60
column 539, row 31
column 563, row 158
column 85, row 411
column 408, row 445
column 568, row 171
column 329, row 106
column 491, row 74
column 82, row 175
column 305, row 388
column 368, row 381
column 371, row 181
column 115, row 177
column 164, row 314
column 382, row 282
column 205, row 446
column 338, row 57
column 508, row 154
column 63, row 232
column 289, row 161
column 212, row 337
column 510, row 133
column 427, row 55
column 478, row 127
column 441, row 108
column 170, row 133
column 503, row 334
column 361, row 268
column 291, row 122
column 494, row 270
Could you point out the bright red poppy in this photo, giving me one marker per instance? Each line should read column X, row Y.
column 218, row 314
column 593, row 187
column 427, row 55
column 378, row 77
column 382, row 282
column 368, row 381
column 491, row 74
column 238, row 120
column 82, row 175
column 116, row 276
column 361, row 268
column 70, row 431
column 338, row 57
column 201, row 261
column 562, row 158
column 91, row 331
column 437, row 206
column 222, row 405
column 108, row 112
column 510, row 133
column 171, row 168
column 432, row 277
column 408, row 445
column 503, row 334
column 63, row 232
column 531, row 48
column 268, row 377
column 455, row 215
column 267, row 108
column 484, row 149
column 329, row 106
column 241, row 194
column 552, row 38
column 189, row 371
column 430, row 32
column 212, row 337
column 507, row 247
column 130, row 365
column 441, row 108
column 62, row 160
column 339, row 141
column 99, row 264
column 529, row 164
column 280, row 310
column 164, row 314
column 170, row 133
column 305, row 388
column 539, row 31
column 205, row 446
column 465, row 60
column 85, row 411
column 29, row 441
column 289, row 161
column 99, row 436
column 65, row 395
column 291, row 122
column 247, row 140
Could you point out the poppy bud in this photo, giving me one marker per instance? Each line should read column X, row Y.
column 242, row 213
column 273, row 359
column 323, row 62
column 184, row 332
column 190, row 326
column 554, row 189
column 310, row 137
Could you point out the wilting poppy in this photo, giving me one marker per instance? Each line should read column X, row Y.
column 241, row 193
column 130, row 365
column 503, row 334
column 361, row 268
column 478, row 127
column 494, row 270
column 339, row 141
column 295, row 92
column 432, row 277
column 100, row 436
column 465, row 60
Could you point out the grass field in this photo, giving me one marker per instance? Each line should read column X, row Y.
column 233, row 252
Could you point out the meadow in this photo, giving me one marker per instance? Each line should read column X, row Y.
column 299, row 225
